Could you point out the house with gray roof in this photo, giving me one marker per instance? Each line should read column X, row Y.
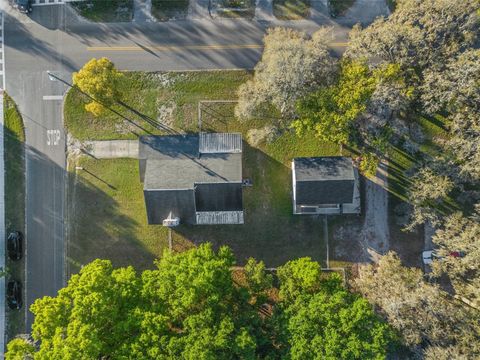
column 192, row 179
column 325, row 185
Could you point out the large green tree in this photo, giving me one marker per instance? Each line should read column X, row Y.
column 320, row 319
column 193, row 307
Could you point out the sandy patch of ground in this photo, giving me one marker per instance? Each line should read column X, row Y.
column 366, row 241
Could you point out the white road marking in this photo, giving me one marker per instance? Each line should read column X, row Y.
column 53, row 97
column 53, row 137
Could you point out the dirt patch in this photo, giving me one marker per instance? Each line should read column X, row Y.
column 366, row 239
column 266, row 134
column 166, row 113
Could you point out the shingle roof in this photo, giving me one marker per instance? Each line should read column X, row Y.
column 324, row 168
column 324, row 180
column 174, row 162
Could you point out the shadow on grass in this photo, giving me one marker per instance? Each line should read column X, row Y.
column 271, row 232
column 98, row 229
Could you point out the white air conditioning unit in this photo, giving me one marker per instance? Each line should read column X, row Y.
column 171, row 222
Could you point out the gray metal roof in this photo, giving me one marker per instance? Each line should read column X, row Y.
column 216, row 143
column 174, row 162
column 183, row 173
column 323, row 168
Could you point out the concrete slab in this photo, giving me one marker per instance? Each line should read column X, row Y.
column 111, row 149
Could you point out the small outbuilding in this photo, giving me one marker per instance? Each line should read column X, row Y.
column 325, row 185
column 192, row 179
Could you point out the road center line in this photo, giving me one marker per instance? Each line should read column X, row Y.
column 188, row 47
column 53, row 97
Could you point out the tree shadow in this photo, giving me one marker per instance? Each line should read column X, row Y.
column 271, row 232
column 98, row 229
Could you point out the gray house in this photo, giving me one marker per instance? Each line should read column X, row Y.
column 325, row 185
column 192, row 179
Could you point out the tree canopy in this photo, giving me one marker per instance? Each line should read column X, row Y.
column 192, row 307
column 98, row 79
column 424, row 315
column 292, row 64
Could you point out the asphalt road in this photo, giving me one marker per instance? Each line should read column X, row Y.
column 54, row 40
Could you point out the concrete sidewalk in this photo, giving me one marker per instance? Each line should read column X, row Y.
column 111, row 149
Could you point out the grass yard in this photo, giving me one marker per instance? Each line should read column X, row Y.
column 105, row 10
column 107, row 217
column 151, row 100
column 165, row 10
column 14, row 137
column 291, row 9
column 234, row 8
column 338, row 7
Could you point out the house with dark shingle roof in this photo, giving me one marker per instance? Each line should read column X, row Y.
column 325, row 185
column 192, row 179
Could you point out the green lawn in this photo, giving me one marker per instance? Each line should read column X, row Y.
column 150, row 100
column 338, row 7
column 105, row 10
column 107, row 218
column 291, row 9
column 165, row 10
column 14, row 137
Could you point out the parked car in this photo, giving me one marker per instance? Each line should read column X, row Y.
column 15, row 245
column 24, row 6
column 427, row 257
column 14, row 295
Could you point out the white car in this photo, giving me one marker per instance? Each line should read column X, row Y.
column 427, row 256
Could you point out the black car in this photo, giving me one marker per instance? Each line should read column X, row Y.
column 14, row 294
column 15, row 245
column 24, row 6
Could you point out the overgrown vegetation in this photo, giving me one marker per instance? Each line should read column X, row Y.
column 291, row 9
column 165, row 10
column 14, row 137
column 339, row 7
column 105, row 11
column 191, row 306
column 234, row 8
column 149, row 102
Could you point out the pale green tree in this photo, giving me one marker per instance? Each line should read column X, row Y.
column 419, row 34
column 454, row 85
column 422, row 313
column 458, row 247
column 428, row 191
column 292, row 64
